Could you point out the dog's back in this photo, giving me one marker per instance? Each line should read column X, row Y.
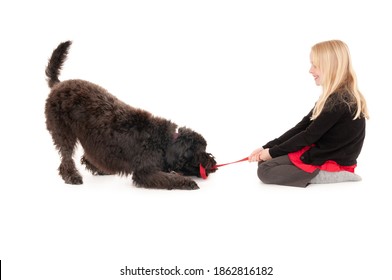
column 70, row 100
column 74, row 92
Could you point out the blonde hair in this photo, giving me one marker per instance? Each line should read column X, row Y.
column 333, row 60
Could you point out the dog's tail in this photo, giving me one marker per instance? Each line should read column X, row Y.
column 56, row 61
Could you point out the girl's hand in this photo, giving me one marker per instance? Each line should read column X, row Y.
column 260, row 154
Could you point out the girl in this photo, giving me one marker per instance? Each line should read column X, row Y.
column 324, row 146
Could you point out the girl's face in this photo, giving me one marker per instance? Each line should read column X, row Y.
column 317, row 75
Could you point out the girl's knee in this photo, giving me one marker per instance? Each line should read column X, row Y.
column 263, row 173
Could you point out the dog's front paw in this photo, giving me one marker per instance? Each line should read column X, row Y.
column 191, row 185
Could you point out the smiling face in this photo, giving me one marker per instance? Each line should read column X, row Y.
column 316, row 72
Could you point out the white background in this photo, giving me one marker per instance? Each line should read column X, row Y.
column 235, row 71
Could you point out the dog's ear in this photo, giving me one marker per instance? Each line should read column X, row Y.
column 178, row 153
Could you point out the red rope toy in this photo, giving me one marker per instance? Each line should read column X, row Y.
column 203, row 173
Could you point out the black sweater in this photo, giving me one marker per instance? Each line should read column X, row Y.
column 334, row 133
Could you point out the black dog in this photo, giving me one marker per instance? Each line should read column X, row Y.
column 117, row 138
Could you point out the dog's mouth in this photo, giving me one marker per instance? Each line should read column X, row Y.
column 203, row 172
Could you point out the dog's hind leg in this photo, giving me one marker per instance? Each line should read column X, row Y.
column 68, row 171
column 163, row 180
column 67, row 168
column 65, row 142
column 90, row 167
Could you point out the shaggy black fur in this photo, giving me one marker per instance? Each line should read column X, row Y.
column 117, row 138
